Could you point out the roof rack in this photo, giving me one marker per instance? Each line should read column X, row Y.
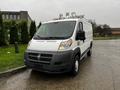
column 68, row 16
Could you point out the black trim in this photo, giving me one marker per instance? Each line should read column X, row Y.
column 76, row 51
column 60, row 61
column 85, row 52
column 91, row 44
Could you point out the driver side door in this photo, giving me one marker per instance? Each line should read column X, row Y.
column 81, row 43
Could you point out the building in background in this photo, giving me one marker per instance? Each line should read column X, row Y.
column 115, row 31
column 16, row 15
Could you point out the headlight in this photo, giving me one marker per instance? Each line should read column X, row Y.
column 65, row 44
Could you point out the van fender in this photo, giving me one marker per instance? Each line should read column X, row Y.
column 75, row 52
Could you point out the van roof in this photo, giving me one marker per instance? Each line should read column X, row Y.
column 61, row 20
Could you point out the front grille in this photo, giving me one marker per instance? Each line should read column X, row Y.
column 46, row 55
column 40, row 57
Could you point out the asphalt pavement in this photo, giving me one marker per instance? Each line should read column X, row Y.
column 101, row 71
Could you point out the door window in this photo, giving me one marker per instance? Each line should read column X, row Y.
column 81, row 26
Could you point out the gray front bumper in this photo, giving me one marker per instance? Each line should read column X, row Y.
column 60, row 61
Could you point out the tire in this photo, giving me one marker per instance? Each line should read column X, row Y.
column 76, row 65
column 89, row 53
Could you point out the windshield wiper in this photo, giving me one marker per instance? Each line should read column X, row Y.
column 38, row 37
column 55, row 37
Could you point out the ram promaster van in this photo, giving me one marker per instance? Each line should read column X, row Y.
column 59, row 45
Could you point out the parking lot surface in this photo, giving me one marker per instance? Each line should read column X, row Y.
column 101, row 71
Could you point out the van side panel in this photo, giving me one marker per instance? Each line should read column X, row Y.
column 88, row 34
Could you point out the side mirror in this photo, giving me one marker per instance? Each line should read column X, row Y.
column 80, row 35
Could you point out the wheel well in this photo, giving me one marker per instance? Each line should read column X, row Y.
column 77, row 52
column 91, row 44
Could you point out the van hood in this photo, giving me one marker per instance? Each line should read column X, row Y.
column 44, row 45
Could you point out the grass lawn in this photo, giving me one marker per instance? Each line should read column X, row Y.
column 106, row 38
column 9, row 59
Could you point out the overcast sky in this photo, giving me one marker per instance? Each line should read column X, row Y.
column 103, row 11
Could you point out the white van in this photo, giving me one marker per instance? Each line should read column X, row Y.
column 59, row 45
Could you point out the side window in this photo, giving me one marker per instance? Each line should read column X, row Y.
column 80, row 26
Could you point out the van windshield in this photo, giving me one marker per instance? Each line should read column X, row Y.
column 55, row 30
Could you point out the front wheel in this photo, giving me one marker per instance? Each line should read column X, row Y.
column 76, row 65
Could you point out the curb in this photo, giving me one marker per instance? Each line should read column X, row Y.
column 12, row 71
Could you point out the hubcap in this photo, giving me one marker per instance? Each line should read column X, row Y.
column 76, row 65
